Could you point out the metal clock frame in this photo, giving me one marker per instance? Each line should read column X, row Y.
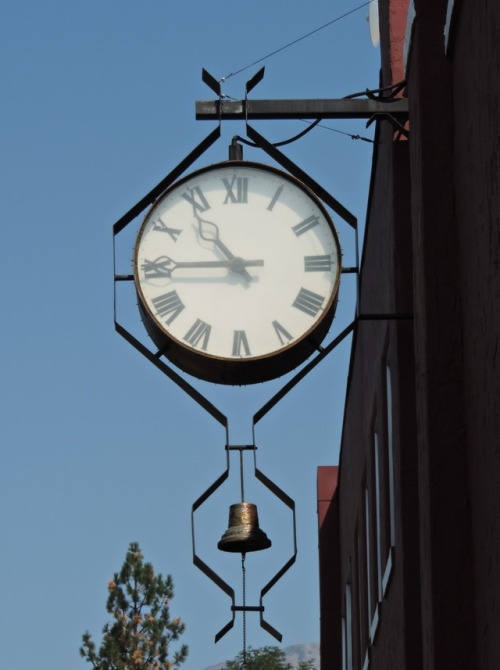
column 197, row 396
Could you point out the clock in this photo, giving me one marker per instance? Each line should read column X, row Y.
column 237, row 269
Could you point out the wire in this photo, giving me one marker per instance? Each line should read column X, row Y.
column 317, row 122
column 341, row 132
column 299, row 39
column 312, row 125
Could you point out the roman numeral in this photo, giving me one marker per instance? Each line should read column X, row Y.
column 168, row 303
column 173, row 232
column 275, row 199
column 240, row 344
column 196, row 198
column 283, row 334
column 199, row 332
column 236, row 190
column 318, row 263
column 304, row 226
column 160, row 268
column 308, row 302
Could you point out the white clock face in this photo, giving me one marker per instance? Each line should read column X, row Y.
column 238, row 261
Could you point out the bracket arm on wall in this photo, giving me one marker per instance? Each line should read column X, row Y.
column 341, row 108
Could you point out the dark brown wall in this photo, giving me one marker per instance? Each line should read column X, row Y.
column 386, row 289
column 475, row 76
column 432, row 249
column 445, row 522
column 455, row 143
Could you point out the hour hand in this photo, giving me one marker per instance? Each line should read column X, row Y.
column 209, row 231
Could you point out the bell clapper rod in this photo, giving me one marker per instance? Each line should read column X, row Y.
column 243, row 570
column 243, row 556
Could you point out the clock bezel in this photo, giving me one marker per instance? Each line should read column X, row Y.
column 251, row 369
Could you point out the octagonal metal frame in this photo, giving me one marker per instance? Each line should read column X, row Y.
column 211, row 574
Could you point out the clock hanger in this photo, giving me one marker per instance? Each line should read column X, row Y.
column 169, row 180
column 155, row 357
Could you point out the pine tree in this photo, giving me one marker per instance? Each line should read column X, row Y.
column 307, row 665
column 139, row 637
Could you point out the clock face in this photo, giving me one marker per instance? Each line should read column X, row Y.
column 237, row 269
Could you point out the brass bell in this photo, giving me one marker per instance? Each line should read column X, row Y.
column 243, row 533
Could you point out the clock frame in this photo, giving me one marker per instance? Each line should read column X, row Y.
column 206, row 226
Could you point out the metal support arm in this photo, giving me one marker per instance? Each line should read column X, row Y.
column 343, row 108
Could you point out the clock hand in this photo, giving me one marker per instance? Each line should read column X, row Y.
column 235, row 263
column 163, row 266
column 215, row 238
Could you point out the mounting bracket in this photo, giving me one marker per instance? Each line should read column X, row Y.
column 371, row 107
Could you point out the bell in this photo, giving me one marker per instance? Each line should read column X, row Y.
column 243, row 533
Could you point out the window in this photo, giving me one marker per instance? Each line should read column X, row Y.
column 360, row 602
column 409, row 32
column 450, row 25
column 373, row 527
column 388, row 536
column 347, row 663
column 378, row 510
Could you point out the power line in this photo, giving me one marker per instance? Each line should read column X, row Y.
column 299, row 39
column 341, row 132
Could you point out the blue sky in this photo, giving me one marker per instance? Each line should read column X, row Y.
column 98, row 447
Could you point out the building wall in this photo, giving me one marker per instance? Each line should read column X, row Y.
column 379, row 554
column 455, row 142
column 418, row 494
column 475, row 73
column 445, row 536
column 328, row 550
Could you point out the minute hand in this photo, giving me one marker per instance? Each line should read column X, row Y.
column 235, row 263
column 164, row 266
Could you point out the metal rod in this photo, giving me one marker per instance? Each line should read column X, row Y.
column 306, row 179
column 181, row 383
column 343, row 108
column 243, row 556
column 242, row 483
column 167, row 181
column 235, row 150
column 384, row 317
column 301, row 374
column 241, row 447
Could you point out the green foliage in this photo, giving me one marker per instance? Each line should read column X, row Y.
column 265, row 658
column 307, row 665
column 140, row 634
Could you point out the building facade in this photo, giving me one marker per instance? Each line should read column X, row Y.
column 410, row 520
